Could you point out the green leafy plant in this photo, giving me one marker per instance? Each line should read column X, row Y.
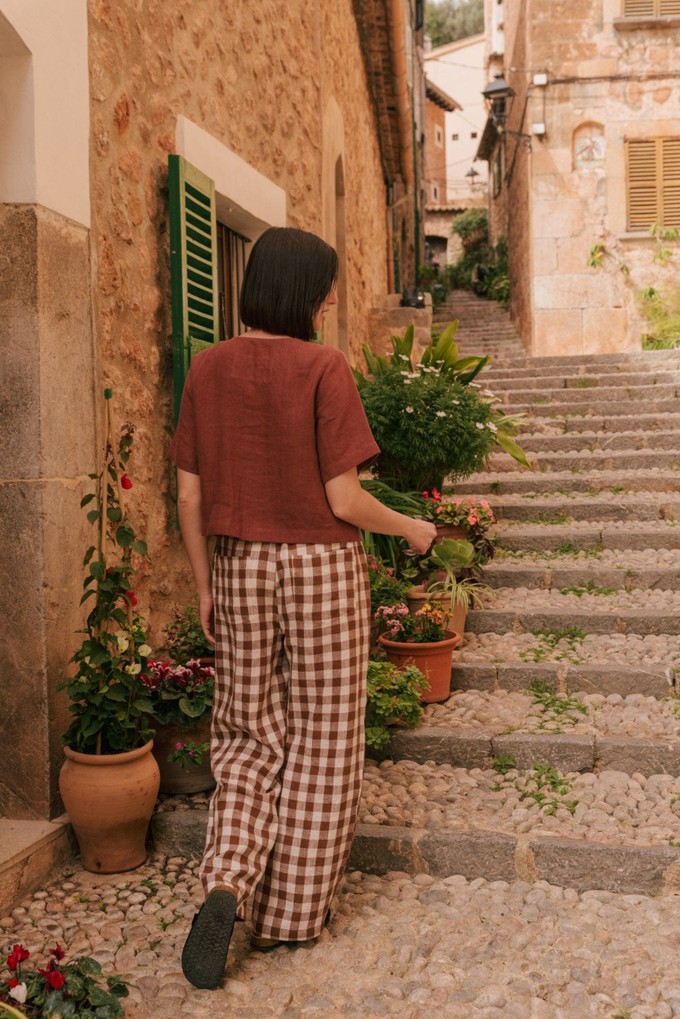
column 110, row 704
column 393, row 698
column 475, row 516
column 74, row 990
column 386, row 587
column 184, row 637
column 430, row 420
column 427, row 626
column 387, row 547
column 188, row 755
column 180, row 694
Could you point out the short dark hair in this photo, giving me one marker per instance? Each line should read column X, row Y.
column 289, row 275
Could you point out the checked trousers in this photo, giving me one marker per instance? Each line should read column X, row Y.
column 292, row 628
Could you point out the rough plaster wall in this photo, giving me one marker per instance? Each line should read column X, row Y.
column 255, row 75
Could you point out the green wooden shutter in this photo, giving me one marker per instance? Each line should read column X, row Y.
column 193, row 266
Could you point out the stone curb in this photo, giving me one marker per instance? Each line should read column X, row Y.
column 599, row 408
column 598, row 394
column 492, row 855
column 616, row 621
column 605, row 441
column 595, row 678
column 551, row 382
column 549, row 537
column 514, row 483
column 476, row 748
column 599, row 460
column 614, row 508
column 498, row 575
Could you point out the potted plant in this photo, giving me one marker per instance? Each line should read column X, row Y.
column 185, row 640
column 422, row 639
column 182, row 697
column 462, row 518
column 109, row 781
column 59, row 989
column 438, row 576
column 393, row 698
column 431, row 420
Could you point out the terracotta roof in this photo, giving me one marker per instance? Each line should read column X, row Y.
column 440, row 97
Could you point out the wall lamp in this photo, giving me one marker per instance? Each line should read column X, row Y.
column 498, row 98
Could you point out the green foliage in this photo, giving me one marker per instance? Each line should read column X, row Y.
column 386, row 587
column 388, row 548
column 393, row 697
column 189, row 755
column 184, row 637
column 469, row 223
column 74, row 990
column 110, row 705
column 180, row 694
column 450, row 20
column 549, row 645
column 541, row 783
column 504, row 763
column 430, row 421
column 662, row 311
column 555, row 705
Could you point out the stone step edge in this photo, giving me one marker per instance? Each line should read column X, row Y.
column 474, row 853
column 546, row 577
column 563, row 676
column 468, row 747
column 490, row 620
column 45, row 848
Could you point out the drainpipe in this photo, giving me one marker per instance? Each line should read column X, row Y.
column 404, row 112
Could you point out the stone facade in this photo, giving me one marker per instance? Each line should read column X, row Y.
column 280, row 88
column 585, row 80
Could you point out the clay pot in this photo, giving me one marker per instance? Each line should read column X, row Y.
column 174, row 778
column 109, row 799
column 433, row 659
column 452, row 531
column 417, row 596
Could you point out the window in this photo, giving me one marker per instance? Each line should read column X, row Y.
column 473, row 134
column 231, row 262
column 650, row 8
column 435, row 192
column 438, row 136
column 193, row 266
column 653, row 183
column 454, row 137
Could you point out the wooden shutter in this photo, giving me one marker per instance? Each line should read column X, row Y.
column 670, row 181
column 193, row 266
column 643, row 205
column 650, row 8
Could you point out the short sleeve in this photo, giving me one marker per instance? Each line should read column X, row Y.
column 343, row 435
column 183, row 448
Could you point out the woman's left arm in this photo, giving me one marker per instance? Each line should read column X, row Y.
column 189, row 509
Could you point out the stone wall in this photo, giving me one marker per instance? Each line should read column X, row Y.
column 257, row 76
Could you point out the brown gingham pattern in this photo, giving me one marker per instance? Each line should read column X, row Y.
column 292, row 627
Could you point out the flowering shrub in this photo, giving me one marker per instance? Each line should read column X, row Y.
column 184, row 637
column 386, row 588
column 57, row 991
column 427, row 626
column 111, row 707
column 393, row 697
column 189, row 755
column 475, row 516
column 180, row 694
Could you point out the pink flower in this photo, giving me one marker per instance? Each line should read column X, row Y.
column 179, row 746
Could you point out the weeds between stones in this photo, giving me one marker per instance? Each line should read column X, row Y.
column 590, row 587
column 558, row 708
column 558, row 517
column 541, row 783
column 547, row 643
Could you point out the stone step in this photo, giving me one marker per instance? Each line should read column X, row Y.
column 553, row 383
column 642, row 424
column 643, row 360
column 30, row 853
column 549, row 576
column 598, row 408
column 639, row 395
column 624, row 441
column 585, row 460
column 495, row 483
column 556, row 618
column 607, row 678
column 563, row 507
column 587, row 535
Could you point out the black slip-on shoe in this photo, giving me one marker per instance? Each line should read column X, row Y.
column 205, row 950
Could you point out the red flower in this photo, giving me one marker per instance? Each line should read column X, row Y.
column 54, row 977
column 426, row 494
column 14, row 982
column 17, row 955
column 125, row 482
column 131, row 598
column 437, row 496
column 57, row 952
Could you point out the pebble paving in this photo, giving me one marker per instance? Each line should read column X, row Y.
column 615, row 648
column 397, row 946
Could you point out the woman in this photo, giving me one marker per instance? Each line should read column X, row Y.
column 270, row 435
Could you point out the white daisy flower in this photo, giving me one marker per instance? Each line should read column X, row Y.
column 409, row 410
column 478, row 424
column 491, row 426
column 441, row 414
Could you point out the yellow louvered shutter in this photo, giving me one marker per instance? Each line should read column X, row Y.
column 643, row 206
column 650, row 8
column 670, row 181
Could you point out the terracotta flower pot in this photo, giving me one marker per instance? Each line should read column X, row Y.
column 417, row 596
column 174, row 778
column 109, row 799
column 452, row 531
column 433, row 659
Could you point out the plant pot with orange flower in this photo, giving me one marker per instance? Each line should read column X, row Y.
column 424, row 640
column 470, row 519
column 109, row 781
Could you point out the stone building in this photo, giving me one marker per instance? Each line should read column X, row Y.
column 583, row 146
column 281, row 113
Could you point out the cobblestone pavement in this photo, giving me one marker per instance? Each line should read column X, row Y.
column 396, row 946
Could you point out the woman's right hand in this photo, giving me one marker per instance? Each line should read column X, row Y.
column 420, row 534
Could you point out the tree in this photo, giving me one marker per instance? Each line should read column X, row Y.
column 449, row 20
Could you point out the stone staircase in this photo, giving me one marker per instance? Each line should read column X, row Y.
column 557, row 757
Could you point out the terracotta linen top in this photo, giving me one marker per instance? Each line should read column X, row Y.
column 265, row 422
